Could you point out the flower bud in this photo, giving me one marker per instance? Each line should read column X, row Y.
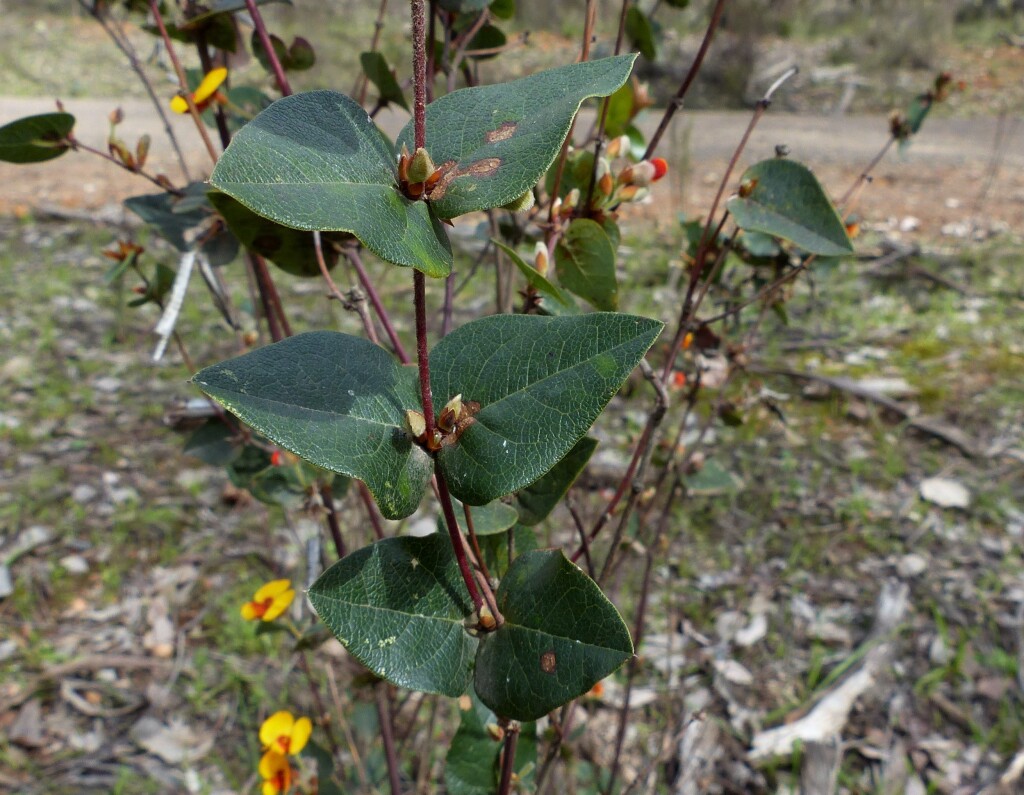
column 540, row 258
column 572, row 198
column 619, row 147
column 605, row 185
column 421, row 166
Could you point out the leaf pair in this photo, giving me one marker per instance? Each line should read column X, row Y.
column 317, row 161
column 399, row 606
column 340, row 402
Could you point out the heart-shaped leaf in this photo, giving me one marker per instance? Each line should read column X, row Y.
column 398, row 606
column 472, row 765
column 783, row 198
column 585, row 264
column 560, row 637
column 336, row 400
column 553, row 300
column 492, row 143
column 35, row 139
column 292, row 250
column 539, row 499
column 540, row 382
column 317, row 161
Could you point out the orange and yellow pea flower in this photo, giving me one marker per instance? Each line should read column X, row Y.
column 276, row 773
column 270, row 601
column 281, row 733
column 205, row 94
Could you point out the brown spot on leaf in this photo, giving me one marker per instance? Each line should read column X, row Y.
column 449, row 171
column 548, row 662
column 503, row 133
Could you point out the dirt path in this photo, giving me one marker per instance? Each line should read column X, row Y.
column 961, row 174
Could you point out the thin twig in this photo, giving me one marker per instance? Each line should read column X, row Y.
column 677, row 101
column 352, row 253
column 268, row 48
column 387, row 736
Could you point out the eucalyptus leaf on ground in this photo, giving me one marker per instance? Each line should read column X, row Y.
column 492, row 143
column 316, row 161
column 35, row 139
column 560, row 637
column 335, row 400
column 398, row 606
column 785, row 199
column 540, row 382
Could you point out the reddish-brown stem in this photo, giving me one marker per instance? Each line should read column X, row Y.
column 356, row 304
column 371, row 293
column 207, row 63
column 445, row 498
column 387, row 736
column 422, row 356
column 677, row 100
column 864, row 176
column 419, row 75
column 271, row 300
column 154, row 7
column 268, row 47
column 371, row 509
column 332, row 521
column 508, row 759
column 468, row 513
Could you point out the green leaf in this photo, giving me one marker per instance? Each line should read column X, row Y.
column 539, row 499
column 494, row 142
column 495, row 548
column 472, row 765
column 560, row 637
column 620, row 111
column 173, row 216
column 787, row 201
column 35, row 139
column 554, row 300
column 317, row 161
column 488, row 520
column 577, row 173
column 712, row 479
column 540, row 381
column 377, row 71
column 335, row 400
column 215, row 7
column 398, row 606
column 292, row 250
column 503, row 9
column 488, row 37
column 213, row 443
column 585, row 264
column 640, row 32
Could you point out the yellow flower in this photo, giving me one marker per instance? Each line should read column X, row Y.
column 269, row 601
column 282, row 734
column 276, row 773
column 205, row 94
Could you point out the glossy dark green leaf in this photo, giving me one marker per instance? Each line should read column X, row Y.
column 213, row 443
column 495, row 548
column 577, row 173
column 472, row 766
column 301, row 55
column 377, row 71
column 784, row 199
column 172, row 216
column 399, row 607
column 260, row 53
column 539, row 499
column 620, row 111
column 560, row 637
column 335, row 400
column 494, row 142
column 35, row 139
column 540, row 381
column 585, row 264
column 503, row 9
column 159, row 285
column 292, row 250
column 487, row 38
column 640, row 32
column 488, row 520
column 554, row 300
column 317, row 161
